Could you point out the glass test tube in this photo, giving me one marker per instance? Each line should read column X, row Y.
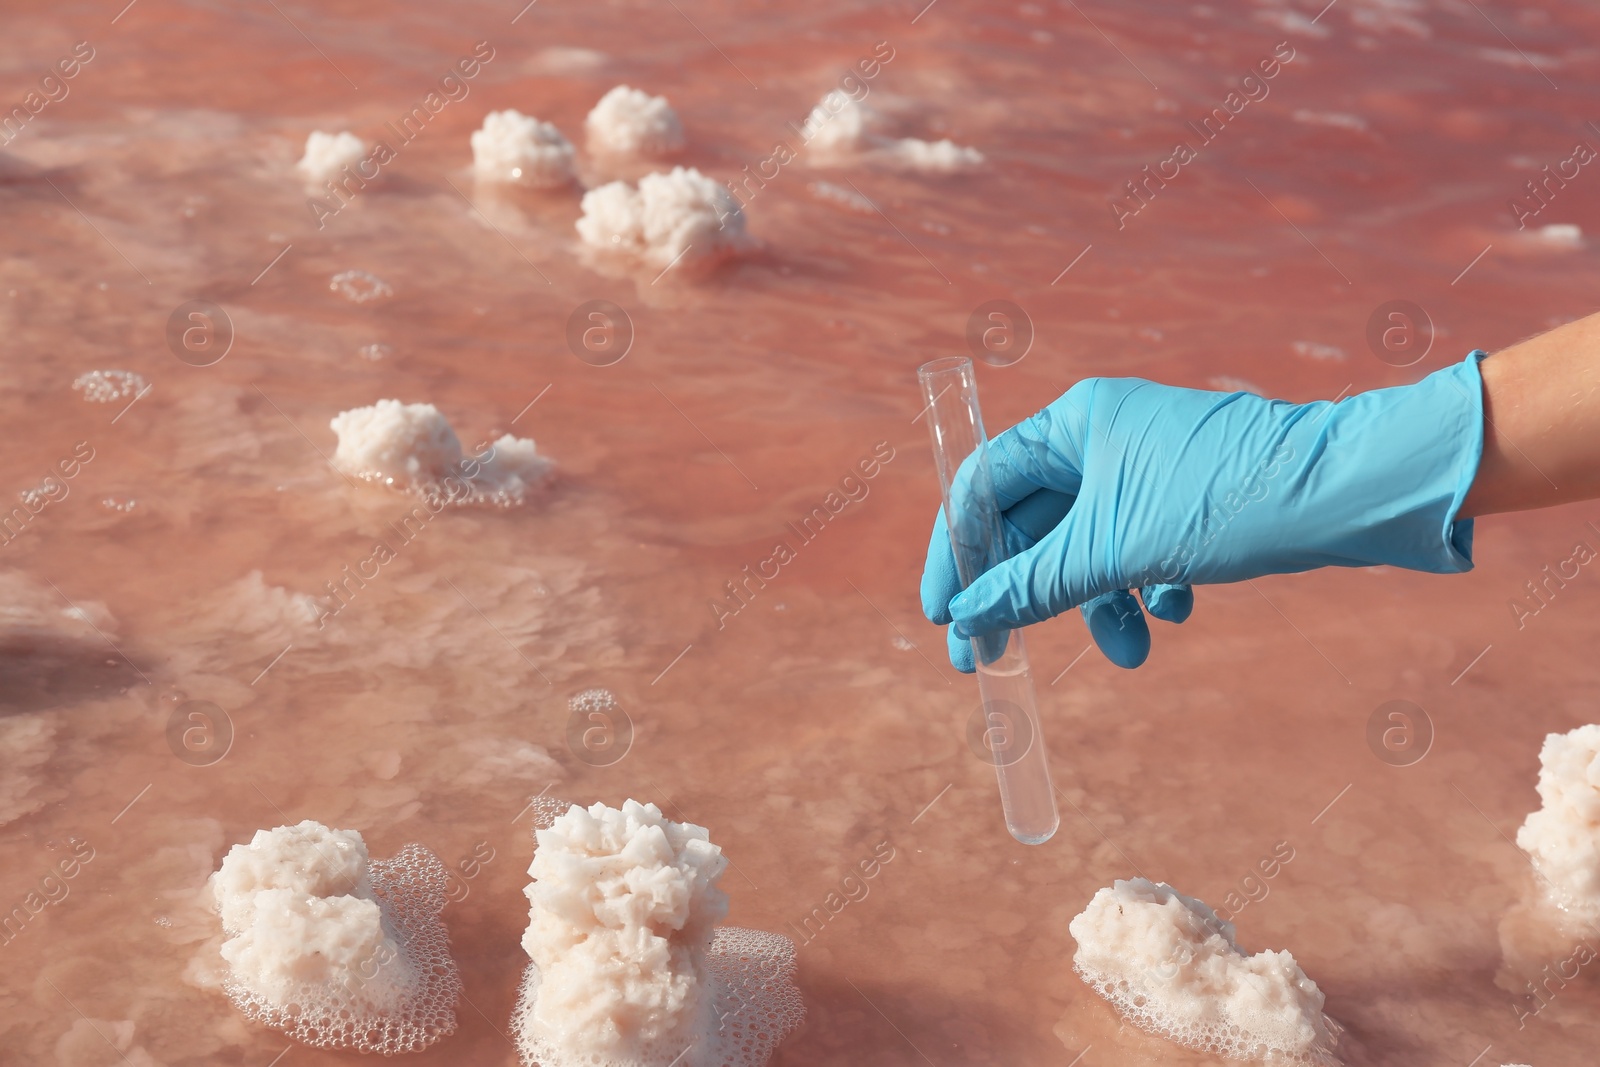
column 1011, row 734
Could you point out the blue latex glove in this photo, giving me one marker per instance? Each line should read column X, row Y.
column 1126, row 484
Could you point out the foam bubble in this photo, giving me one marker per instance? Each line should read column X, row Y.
column 513, row 147
column 679, row 214
column 627, row 970
column 333, row 950
column 361, row 287
column 109, row 386
column 1563, row 836
column 329, row 153
column 412, row 447
column 631, row 122
column 1172, row 968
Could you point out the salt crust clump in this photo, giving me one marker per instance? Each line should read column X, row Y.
column 627, row 969
column 836, row 129
column 1171, row 967
column 329, row 153
column 334, row 950
column 668, row 216
column 631, row 122
column 513, row 147
column 412, row 447
column 939, row 156
column 1563, row 836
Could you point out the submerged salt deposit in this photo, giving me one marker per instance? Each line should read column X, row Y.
column 1563, row 836
column 628, row 970
column 631, row 122
column 1168, row 964
column 681, row 214
column 334, row 950
column 329, row 153
column 518, row 148
column 412, row 447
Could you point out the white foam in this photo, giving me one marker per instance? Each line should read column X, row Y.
column 361, row 287
column 329, row 153
column 412, row 447
column 627, row 970
column 1171, row 967
column 513, row 147
column 334, row 950
column 631, row 122
column 681, row 213
column 1563, row 836
column 109, row 386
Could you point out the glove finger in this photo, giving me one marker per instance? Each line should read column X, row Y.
column 1118, row 627
column 1043, row 451
column 1170, row 603
column 940, row 581
column 1029, row 587
column 960, row 651
column 1033, row 517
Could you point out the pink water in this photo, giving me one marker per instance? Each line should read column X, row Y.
column 821, row 720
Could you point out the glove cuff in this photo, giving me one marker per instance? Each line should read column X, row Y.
column 1433, row 432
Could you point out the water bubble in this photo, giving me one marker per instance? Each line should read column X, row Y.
column 375, row 351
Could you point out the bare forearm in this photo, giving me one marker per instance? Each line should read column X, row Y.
column 1541, row 401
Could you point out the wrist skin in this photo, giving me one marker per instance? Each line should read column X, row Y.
column 1541, row 425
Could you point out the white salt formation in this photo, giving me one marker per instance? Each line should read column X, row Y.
column 1171, row 967
column 1563, row 836
column 513, row 147
column 668, row 216
column 412, row 447
column 333, row 950
column 836, row 130
column 836, row 126
column 939, row 156
column 1562, row 235
column 631, row 122
column 627, row 969
column 329, row 153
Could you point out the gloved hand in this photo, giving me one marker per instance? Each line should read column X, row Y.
column 1124, row 484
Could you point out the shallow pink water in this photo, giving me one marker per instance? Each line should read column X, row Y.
column 821, row 720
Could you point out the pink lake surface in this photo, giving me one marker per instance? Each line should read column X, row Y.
column 822, row 719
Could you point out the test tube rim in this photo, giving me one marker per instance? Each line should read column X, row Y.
column 942, row 366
